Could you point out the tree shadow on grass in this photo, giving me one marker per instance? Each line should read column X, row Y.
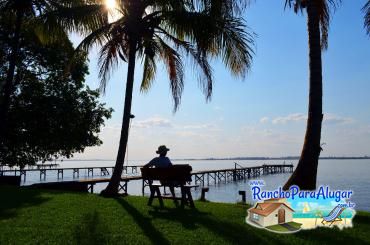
column 361, row 218
column 155, row 236
column 330, row 236
column 184, row 216
column 15, row 198
column 228, row 231
column 90, row 230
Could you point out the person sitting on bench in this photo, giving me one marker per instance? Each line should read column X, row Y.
column 162, row 162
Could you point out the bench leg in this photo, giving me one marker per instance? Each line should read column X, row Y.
column 183, row 197
column 159, row 196
column 153, row 191
column 151, row 196
column 172, row 190
column 190, row 198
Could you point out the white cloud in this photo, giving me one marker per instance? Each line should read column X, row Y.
column 200, row 126
column 153, row 122
column 295, row 117
column 335, row 119
column 264, row 119
column 217, row 108
column 329, row 118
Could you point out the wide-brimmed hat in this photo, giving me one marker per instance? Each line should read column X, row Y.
column 162, row 149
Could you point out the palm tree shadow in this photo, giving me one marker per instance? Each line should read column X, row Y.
column 155, row 236
column 90, row 230
column 192, row 218
column 186, row 217
column 16, row 198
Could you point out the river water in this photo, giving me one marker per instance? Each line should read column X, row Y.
column 338, row 174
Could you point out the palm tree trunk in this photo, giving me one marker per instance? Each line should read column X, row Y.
column 305, row 174
column 8, row 85
column 112, row 188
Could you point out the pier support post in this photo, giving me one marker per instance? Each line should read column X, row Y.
column 242, row 193
column 203, row 195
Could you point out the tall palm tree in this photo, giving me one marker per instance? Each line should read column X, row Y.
column 366, row 9
column 167, row 31
column 318, row 18
column 29, row 14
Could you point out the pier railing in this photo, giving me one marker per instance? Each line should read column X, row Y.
column 203, row 177
column 102, row 171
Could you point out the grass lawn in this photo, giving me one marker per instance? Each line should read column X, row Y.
column 281, row 228
column 295, row 224
column 32, row 216
column 277, row 228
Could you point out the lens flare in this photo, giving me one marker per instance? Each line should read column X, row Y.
column 111, row 4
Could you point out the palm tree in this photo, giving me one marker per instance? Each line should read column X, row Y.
column 318, row 18
column 30, row 15
column 167, row 31
column 318, row 214
column 366, row 9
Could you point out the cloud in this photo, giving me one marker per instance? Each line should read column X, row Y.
column 295, row 117
column 200, row 126
column 153, row 122
column 264, row 119
column 334, row 119
column 329, row 118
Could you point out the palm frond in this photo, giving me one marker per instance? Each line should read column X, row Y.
column 47, row 32
column 198, row 59
column 236, row 47
column 82, row 19
column 96, row 37
column 150, row 69
column 108, row 61
column 366, row 9
column 175, row 71
column 324, row 8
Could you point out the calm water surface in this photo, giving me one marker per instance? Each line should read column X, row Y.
column 338, row 174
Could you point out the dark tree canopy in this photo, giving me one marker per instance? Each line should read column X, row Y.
column 52, row 113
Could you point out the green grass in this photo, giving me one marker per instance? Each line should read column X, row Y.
column 281, row 228
column 31, row 216
column 295, row 224
column 277, row 228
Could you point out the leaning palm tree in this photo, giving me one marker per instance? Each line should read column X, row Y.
column 30, row 14
column 168, row 31
column 318, row 18
column 366, row 9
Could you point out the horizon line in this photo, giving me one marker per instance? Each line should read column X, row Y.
column 229, row 158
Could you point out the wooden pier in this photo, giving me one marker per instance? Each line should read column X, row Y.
column 205, row 177
column 102, row 171
column 239, row 173
column 202, row 178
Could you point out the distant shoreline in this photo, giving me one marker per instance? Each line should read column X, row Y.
column 231, row 158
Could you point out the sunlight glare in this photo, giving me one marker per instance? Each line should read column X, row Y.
column 111, row 4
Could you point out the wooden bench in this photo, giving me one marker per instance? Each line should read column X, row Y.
column 174, row 176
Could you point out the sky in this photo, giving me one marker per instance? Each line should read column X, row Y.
column 261, row 115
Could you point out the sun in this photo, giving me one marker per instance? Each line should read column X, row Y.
column 111, row 4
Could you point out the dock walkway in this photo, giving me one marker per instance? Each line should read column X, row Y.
column 202, row 177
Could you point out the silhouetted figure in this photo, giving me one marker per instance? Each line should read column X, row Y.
column 162, row 162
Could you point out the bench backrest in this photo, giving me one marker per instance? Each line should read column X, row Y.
column 180, row 173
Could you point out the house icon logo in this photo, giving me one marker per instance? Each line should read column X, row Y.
column 274, row 214
column 292, row 210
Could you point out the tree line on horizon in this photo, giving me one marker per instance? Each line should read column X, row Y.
column 153, row 31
